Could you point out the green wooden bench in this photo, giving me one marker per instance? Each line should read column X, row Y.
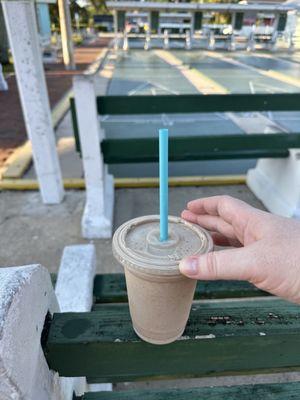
column 188, row 148
column 278, row 153
column 259, row 392
column 231, row 337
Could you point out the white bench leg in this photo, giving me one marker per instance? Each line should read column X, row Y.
column 276, row 182
column 74, row 292
column 98, row 213
column 75, row 279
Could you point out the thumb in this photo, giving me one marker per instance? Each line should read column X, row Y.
column 234, row 264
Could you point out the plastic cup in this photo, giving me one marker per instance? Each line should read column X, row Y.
column 159, row 297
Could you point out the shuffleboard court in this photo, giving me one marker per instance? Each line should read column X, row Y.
column 292, row 57
column 269, row 62
column 139, row 72
column 235, row 78
column 284, row 67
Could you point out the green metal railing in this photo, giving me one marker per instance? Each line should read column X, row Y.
column 188, row 148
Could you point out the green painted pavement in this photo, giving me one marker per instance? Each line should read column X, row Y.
column 271, row 63
column 234, row 78
column 143, row 72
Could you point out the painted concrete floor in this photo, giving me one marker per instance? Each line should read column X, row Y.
column 34, row 233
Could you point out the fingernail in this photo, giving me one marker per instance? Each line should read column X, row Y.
column 189, row 266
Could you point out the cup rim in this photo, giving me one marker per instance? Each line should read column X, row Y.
column 137, row 262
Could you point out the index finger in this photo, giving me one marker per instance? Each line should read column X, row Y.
column 226, row 207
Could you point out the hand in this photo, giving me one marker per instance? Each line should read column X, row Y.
column 267, row 251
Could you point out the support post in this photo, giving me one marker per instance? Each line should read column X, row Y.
column 251, row 40
column 22, row 31
column 233, row 21
column 3, row 40
column 238, row 22
column 273, row 43
column 3, row 83
column 166, row 39
column 147, row 44
column 116, row 30
column 211, row 40
column 231, row 44
column 125, row 41
column 119, row 21
column 197, row 18
column 98, row 213
column 276, row 183
column 153, row 18
column 192, row 24
column 66, row 34
column 115, row 15
column 188, row 40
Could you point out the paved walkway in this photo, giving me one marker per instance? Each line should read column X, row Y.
column 59, row 81
column 37, row 233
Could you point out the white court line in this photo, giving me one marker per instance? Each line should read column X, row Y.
column 279, row 76
column 172, row 118
column 152, row 87
column 267, row 88
column 255, row 123
column 139, row 87
column 162, row 87
column 166, row 120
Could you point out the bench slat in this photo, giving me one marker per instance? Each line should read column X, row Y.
column 111, row 288
column 275, row 391
column 191, row 148
column 220, row 338
column 193, row 103
column 203, row 148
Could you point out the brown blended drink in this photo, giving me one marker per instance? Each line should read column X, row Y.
column 159, row 296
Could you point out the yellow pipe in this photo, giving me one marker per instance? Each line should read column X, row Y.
column 181, row 181
column 77, row 183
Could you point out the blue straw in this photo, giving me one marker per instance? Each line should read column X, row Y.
column 163, row 183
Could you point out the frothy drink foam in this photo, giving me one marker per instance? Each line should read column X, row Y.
column 159, row 296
